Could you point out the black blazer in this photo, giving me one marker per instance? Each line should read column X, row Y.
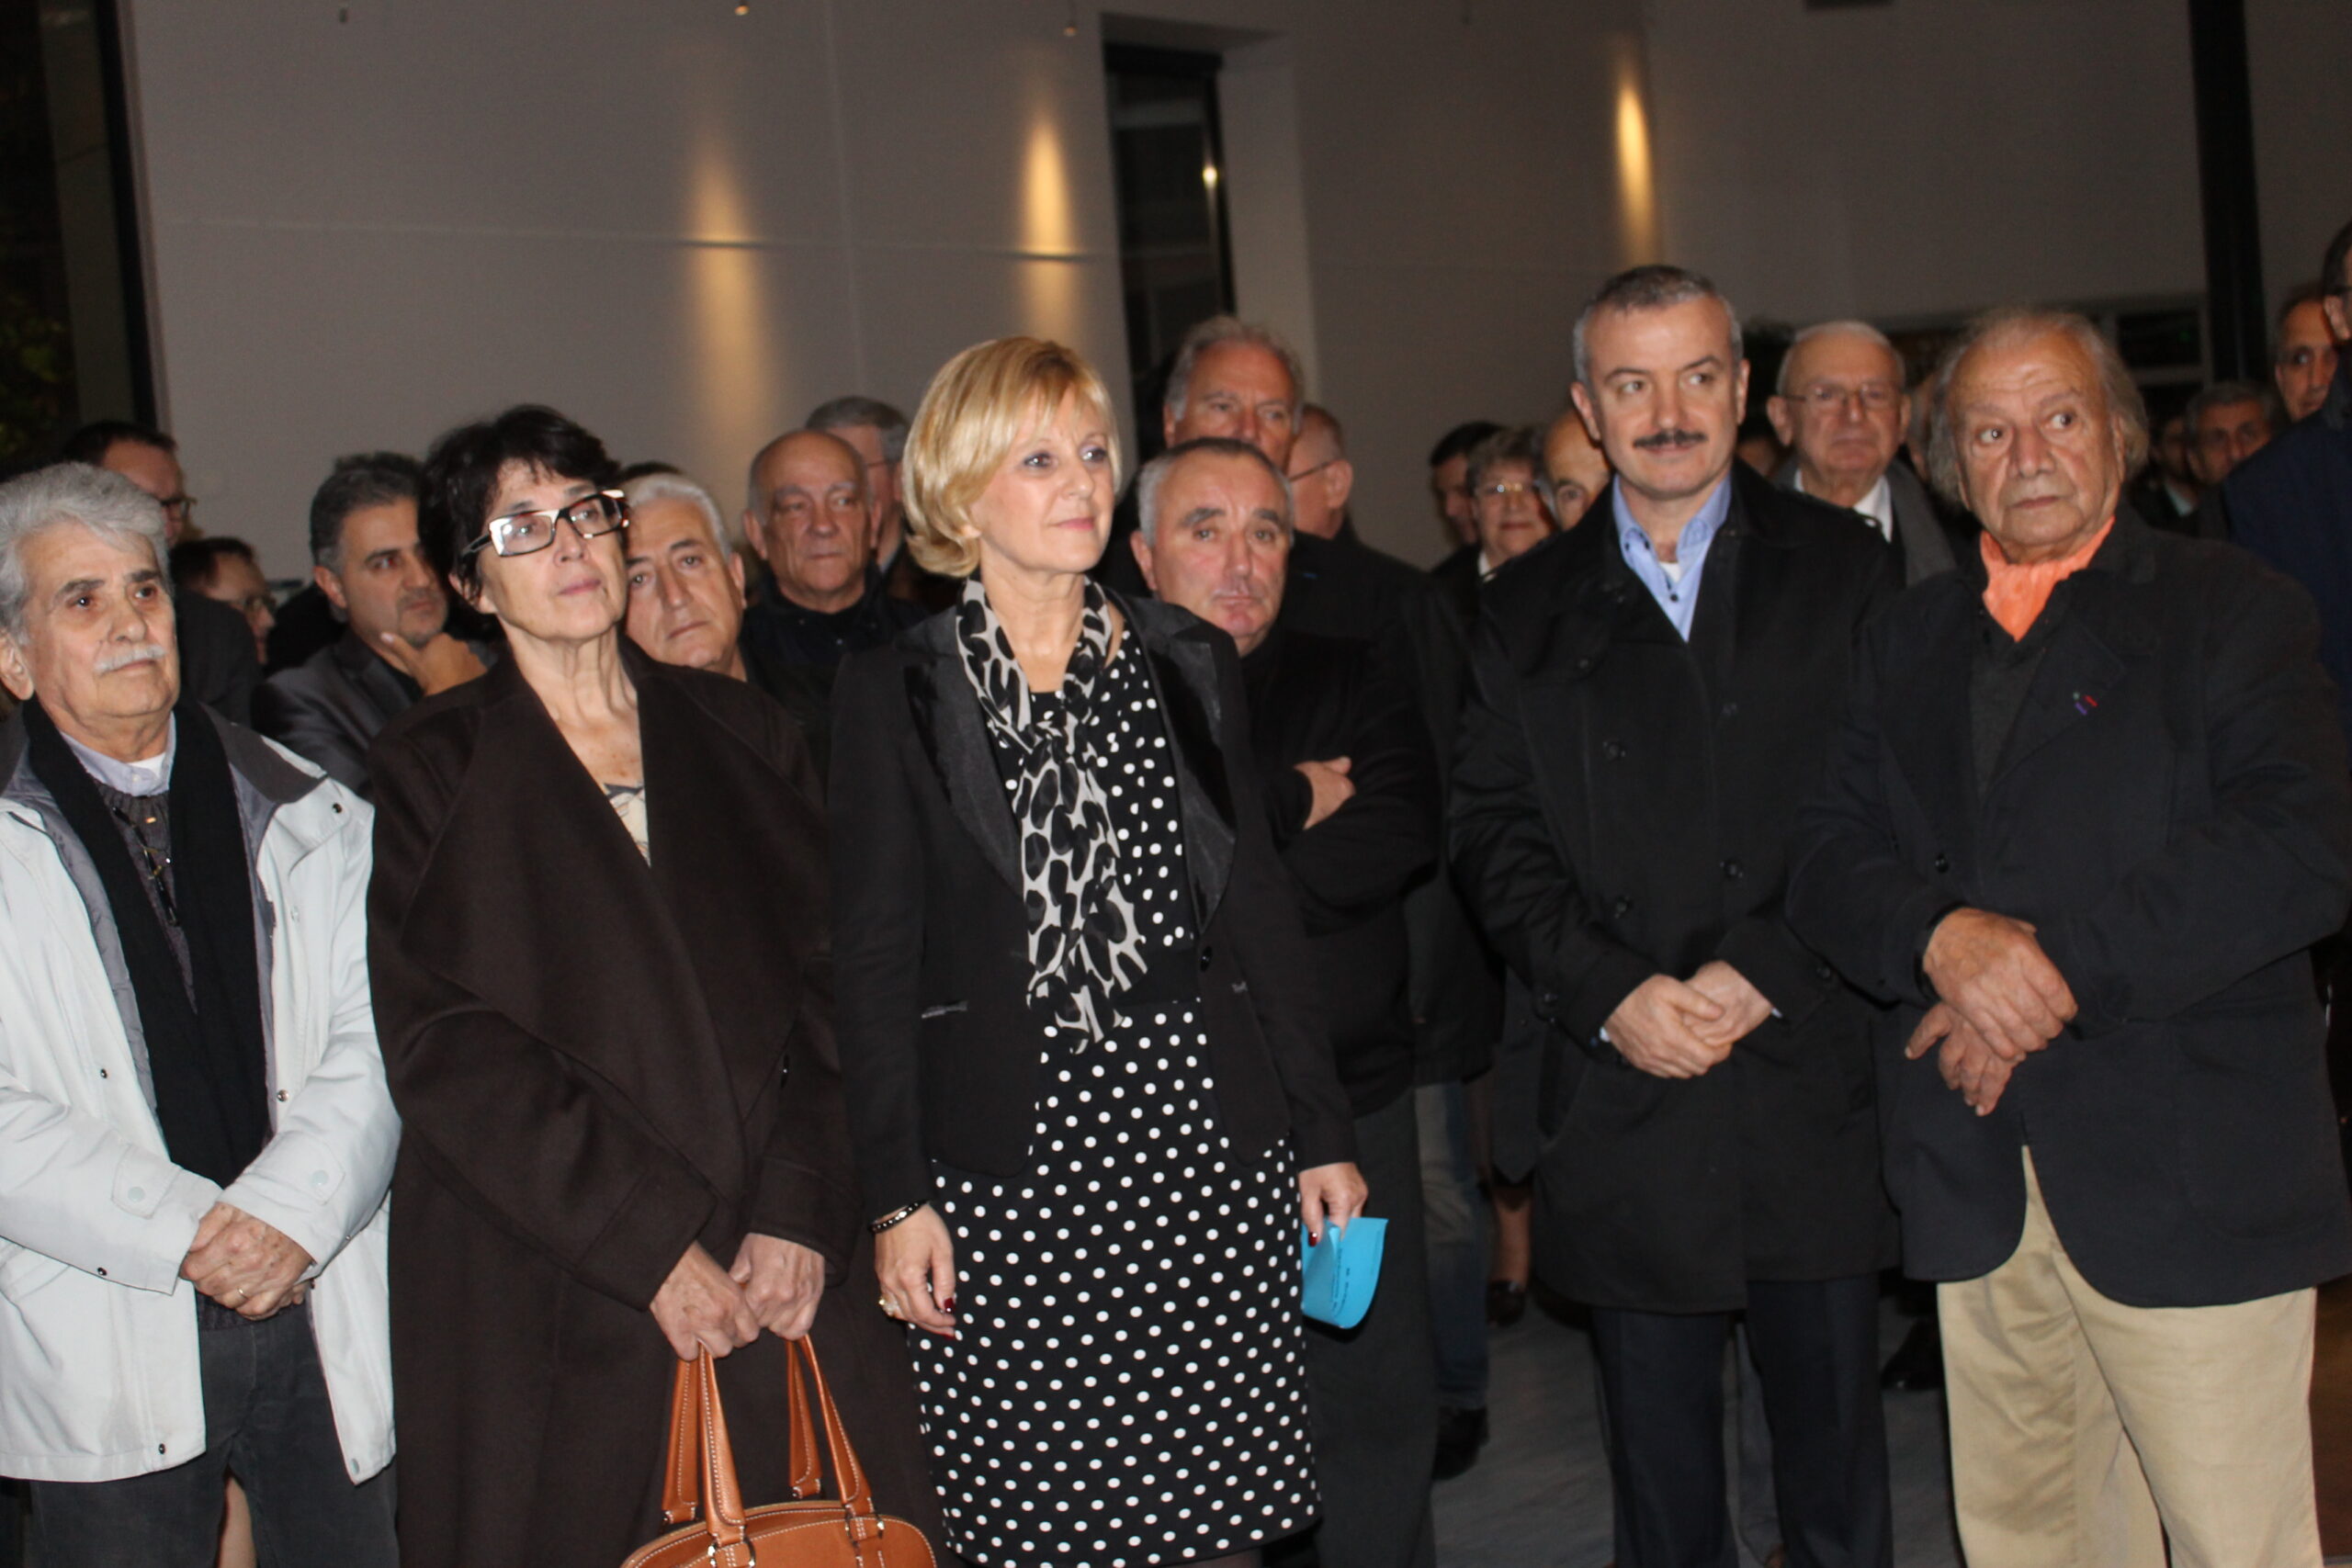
column 1311, row 699
column 598, row 1063
column 2173, row 813
column 218, row 665
column 940, row 1052
column 1623, row 802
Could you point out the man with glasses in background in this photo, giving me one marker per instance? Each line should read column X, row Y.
column 1841, row 407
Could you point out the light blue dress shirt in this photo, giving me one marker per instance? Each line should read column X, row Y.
column 1678, row 600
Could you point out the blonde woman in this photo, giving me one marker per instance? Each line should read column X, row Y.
column 1088, row 1085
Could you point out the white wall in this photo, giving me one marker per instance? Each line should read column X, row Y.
column 1941, row 155
column 685, row 227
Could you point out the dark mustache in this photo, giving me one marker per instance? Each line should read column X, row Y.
column 1669, row 438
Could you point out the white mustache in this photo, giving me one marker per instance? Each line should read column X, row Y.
column 144, row 653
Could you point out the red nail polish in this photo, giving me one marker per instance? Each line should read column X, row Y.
column 1313, row 1240
column 950, row 1305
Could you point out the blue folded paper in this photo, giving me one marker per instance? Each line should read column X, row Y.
column 1342, row 1270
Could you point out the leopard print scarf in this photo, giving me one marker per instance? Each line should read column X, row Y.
column 1084, row 948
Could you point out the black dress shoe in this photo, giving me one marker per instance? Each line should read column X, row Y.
column 1460, row 1434
column 1505, row 1303
column 1917, row 1364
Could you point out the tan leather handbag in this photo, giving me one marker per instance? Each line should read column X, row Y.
column 700, row 1492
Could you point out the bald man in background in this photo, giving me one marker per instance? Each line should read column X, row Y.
column 1577, row 466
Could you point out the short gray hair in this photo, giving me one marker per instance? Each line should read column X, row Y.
column 1155, row 473
column 105, row 502
column 849, row 412
column 2008, row 324
column 1512, row 444
column 1862, row 330
column 1216, row 331
column 2226, row 394
column 1653, row 288
column 677, row 487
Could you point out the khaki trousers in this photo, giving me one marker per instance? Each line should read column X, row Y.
column 2084, row 1432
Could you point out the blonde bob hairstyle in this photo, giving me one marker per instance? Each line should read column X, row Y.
column 982, row 402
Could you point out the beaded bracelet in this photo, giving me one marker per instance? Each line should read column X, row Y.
column 892, row 1218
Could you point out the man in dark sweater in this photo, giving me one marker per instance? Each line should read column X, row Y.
column 812, row 517
column 1352, row 790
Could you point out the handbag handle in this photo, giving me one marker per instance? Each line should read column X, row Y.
column 700, row 1464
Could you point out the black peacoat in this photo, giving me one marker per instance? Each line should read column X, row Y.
column 598, row 1063
column 2171, row 812
column 939, row 1048
column 1622, row 806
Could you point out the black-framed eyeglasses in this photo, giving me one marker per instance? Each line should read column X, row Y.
column 1310, row 473
column 528, row 533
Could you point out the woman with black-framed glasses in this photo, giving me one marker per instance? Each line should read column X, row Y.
column 603, row 986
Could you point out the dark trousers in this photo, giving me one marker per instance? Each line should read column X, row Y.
column 1371, row 1389
column 1454, row 1213
column 266, row 1418
column 1816, row 1357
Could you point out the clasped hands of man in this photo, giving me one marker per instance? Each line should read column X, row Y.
column 1999, row 1000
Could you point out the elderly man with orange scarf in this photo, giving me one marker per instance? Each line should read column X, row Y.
column 2087, row 813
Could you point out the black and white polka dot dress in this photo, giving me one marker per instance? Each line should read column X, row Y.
column 1126, row 1387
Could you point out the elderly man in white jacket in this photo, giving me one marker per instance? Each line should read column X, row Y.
column 194, row 1135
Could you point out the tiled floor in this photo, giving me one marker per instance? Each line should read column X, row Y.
column 1538, row 1496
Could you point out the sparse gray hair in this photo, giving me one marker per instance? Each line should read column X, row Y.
column 2009, row 324
column 105, row 502
column 1653, row 288
column 1221, row 329
column 1862, row 330
column 1155, row 473
column 677, row 487
column 849, row 412
column 1512, row 444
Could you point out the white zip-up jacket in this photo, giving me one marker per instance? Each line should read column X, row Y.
column 99, row 1370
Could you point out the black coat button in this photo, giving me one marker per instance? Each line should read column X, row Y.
column 1943, row 863
column 1208, row 955
column 1730, row 710
column 1613, row 749
column 1733, row 870
column 1621, row 908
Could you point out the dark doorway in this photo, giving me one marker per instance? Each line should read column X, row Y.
column 1175, row 265
column 72, row 315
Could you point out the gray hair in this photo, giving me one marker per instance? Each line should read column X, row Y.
column 2008, row 324
column 1653, row 288
column 849, row 412
column 1216, row 331
column 105, row 502
column 2224, row 394
column 677, row 487
column 1155, row 473
column 1512, row 444
column 1862, row 330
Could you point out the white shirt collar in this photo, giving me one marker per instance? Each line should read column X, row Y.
column 1878, row 505
column 152, row 776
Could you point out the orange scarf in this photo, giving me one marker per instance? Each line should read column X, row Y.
column 2016, row 595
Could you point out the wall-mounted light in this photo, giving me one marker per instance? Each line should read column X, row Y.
column 1208, row 176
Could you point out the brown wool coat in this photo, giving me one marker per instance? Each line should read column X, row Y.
column 598, row 1063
